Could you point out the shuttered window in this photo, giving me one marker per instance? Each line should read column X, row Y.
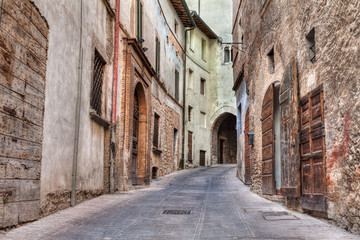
column 96, row 89
column 176, row 85
column 157, row 57
column 202, row 86
column 156, row 130
column 139, row 21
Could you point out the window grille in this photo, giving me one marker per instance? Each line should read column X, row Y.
column 310, row 43
column 189, row 113
column 97, row 83
column 156, row 130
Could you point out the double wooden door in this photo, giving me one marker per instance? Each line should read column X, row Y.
column 135, row 140
column 312, row 151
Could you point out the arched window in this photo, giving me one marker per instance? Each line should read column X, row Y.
column 227, row 55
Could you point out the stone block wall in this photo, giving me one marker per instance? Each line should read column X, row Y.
column 166, row 161
column 23, row 54
column 284, row 26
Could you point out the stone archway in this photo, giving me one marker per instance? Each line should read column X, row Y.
column 223, row 136
column 139, row 136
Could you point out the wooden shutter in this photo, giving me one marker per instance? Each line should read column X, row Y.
column 202, row 158
column 139, row 21
column 190, row 156
column 290, row 159
column 312, row 150
column 157, row 57
column 247, row 149
column 176, row 85
column 268, row 160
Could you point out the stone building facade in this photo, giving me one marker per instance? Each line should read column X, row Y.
column 149, row 129
column 298, row 67
column 210, row 103
column 24, row 35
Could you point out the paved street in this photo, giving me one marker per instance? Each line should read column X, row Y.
column 221, row 208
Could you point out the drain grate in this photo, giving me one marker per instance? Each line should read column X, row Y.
column 276, row 216
column 177, row 212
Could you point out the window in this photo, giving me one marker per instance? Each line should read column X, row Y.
column 203, row 49
column 96, row 90
column 176, row 85
column 203, row 119
column 310, row 45
column 156, row 130
column 241, row 37
column 232, row 55
column 226, row 55
column 189, row 113
column 271, row 60
column 202, row 86
column 176, row 28
column 239, row 127
column 191, row 39
column 157, row 57
column 175, row 140
column 139, row 22
column 191, row 79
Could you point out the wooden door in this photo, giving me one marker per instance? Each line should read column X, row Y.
column 268, row 160
column 247, row 149
column 202, row 158
column 312, row 147
column 190, row 155
column 222, row 144
column 289, row 132
column 135, row 137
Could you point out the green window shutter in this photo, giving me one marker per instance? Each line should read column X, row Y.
column 157, row 57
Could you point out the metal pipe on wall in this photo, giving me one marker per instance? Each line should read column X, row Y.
column 184, row 101
column 114, row 100
column 77, row 115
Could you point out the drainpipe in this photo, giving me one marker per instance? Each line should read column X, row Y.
column 77, row 115
column 114, row 99
column 184, row 98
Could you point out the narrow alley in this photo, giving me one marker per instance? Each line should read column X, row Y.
column 214, row 205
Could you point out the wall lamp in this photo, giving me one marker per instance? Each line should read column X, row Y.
column 250, row 138
column 145, row 49
column 141, row 40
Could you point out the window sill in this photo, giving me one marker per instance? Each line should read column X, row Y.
column 156, row 151
column 99, row 120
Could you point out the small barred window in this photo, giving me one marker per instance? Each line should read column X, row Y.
column 96, row 90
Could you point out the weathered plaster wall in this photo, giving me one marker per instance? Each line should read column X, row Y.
column 285, row 25
column 60, row 105
column 200, row 103
column 218, row 75
column 23, row 61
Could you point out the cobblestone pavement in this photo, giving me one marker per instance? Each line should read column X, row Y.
column 221, row 208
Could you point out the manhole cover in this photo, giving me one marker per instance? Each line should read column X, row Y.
column 177, row 212
column 276, row 216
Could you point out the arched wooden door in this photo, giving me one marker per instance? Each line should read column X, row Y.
column 268, row 163
column 135, row 139
column 247, row 149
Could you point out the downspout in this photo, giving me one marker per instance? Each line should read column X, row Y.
column 184, row 98
column 114, row 100
column 77, row 115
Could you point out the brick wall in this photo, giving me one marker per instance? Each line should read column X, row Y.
column 23, row 54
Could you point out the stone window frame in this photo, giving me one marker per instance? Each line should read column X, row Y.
column 203, row 86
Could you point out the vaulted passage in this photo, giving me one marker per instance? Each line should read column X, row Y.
column 224, row 139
